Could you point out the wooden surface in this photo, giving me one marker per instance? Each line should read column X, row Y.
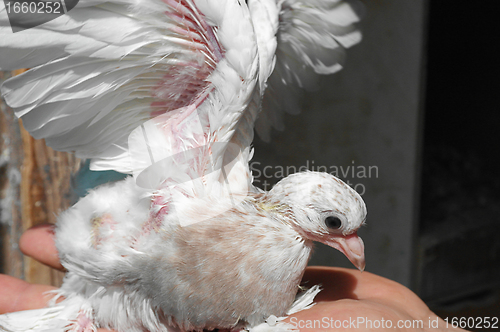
column 35, row 186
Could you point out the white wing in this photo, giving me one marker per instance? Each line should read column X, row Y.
column 312, row 38
column 185, row 69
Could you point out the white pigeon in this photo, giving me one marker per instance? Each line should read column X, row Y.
column 169, row 92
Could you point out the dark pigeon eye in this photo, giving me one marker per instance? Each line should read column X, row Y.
column 333, row 222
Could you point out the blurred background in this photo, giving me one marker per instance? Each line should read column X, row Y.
column 411, row 122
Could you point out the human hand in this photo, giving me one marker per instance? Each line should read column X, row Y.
column 361, row 301
column 349, row 301
column 15, row 294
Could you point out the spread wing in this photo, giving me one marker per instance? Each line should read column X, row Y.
column 170, row 90
column 154, row 88
column 312, row 37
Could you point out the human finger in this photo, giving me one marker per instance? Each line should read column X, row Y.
column 38, row 243
column 17, row 295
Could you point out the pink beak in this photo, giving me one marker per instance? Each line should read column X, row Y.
column 351, row 246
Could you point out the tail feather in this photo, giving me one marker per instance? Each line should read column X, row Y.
column 303, row 301
column 38, row 320
column 56, row 318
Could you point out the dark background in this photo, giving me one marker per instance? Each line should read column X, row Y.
column 461, row 146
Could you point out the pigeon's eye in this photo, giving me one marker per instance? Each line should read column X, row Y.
column 333, row 222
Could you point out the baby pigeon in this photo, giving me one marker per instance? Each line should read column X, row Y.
column 136, row 272
column 169, row 91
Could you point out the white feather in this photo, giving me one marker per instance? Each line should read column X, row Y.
column 312, row 36
column 109, row 56
column 52, row 319
column 115, row 65
column 276, row 324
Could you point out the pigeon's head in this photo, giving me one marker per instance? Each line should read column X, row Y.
column 326, row 210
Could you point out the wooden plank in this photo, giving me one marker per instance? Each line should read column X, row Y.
column 11, row 260
column 40, row 192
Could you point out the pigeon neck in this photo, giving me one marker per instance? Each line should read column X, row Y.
column 285, row 214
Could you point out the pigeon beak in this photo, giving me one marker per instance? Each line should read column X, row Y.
column 352, row 247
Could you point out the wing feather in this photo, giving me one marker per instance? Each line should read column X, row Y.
column 197, row 69
column 111, row 66
column 186, row 67
column 312, row 38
